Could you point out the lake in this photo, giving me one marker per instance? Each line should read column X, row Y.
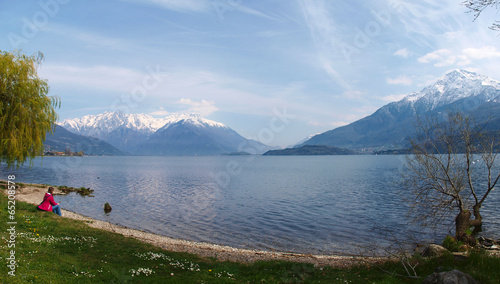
column 304, row 204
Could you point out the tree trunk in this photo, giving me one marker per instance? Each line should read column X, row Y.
column 478, row 220
column 463, row 223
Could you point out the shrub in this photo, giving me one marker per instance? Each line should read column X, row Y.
column 451, row 244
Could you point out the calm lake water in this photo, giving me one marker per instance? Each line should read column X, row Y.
column 307, row 204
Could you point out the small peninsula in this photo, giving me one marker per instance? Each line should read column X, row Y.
column 310, row 150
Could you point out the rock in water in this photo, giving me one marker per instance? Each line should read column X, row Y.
column 450, row 277
column 107, row 208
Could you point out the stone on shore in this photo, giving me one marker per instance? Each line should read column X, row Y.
column 434, row 250
column 450, row 277
column 488, row 243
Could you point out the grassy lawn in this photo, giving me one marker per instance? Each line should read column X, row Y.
column 51, row 249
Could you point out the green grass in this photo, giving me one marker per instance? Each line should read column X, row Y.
column 51, row 249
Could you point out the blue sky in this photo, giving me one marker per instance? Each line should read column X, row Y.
column 275, row 71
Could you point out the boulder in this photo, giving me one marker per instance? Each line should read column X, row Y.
column 107, row 208
column 434, row 250
column 450, row 277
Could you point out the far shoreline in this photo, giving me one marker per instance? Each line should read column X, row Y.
column 33, row 194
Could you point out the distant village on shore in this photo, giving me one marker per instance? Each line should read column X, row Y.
column 66, row 152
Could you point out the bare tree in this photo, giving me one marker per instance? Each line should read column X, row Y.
column 478, row 6
column 451, row 171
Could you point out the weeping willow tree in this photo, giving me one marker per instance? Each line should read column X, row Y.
column 26, row 112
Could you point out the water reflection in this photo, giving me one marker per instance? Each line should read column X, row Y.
column 323, row 204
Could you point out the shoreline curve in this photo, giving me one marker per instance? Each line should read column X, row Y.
column 33, row 194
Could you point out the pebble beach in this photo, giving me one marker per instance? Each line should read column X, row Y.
column 33, row 193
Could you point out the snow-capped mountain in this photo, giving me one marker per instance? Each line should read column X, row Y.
column 110, row 121
column 178, row 134
column 195, row 136
column 124, row 131
column 392, row 124
column 96, row 125
column 454, row 86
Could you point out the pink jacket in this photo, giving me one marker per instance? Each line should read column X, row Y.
column 48, row 201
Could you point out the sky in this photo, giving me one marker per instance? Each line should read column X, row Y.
column 274, row 71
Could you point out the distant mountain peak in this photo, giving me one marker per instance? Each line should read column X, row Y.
column 461, row 73
column 454, row 85
column 392, row 124
column 193, row 118
column 460, row 76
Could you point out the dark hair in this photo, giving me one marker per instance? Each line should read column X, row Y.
column 51, row 189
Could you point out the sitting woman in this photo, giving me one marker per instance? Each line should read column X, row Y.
column 48, row 203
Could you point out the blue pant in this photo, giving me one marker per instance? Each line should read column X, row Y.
column 56, row 209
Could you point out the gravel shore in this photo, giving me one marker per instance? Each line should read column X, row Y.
column 33, row 193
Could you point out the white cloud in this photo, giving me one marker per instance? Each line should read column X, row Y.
column 325, row 34
column 463, row 60
column 425, row 21
column 107, row 78
column 353, row 94
column 481, row 53
column 393, row 98
column 188, row 89
column 180, row 5
column 219, row 7
column 401, row 80
column 89, row 39
column 314, row 123
column 402, row 53
column 203, row 107
column 160, row 112
column 327, row 66
column 440, row 58
column 445, row 57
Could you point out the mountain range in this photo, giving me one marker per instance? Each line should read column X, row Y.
column 179, row 134
column 388, row 128
column 392, row 125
